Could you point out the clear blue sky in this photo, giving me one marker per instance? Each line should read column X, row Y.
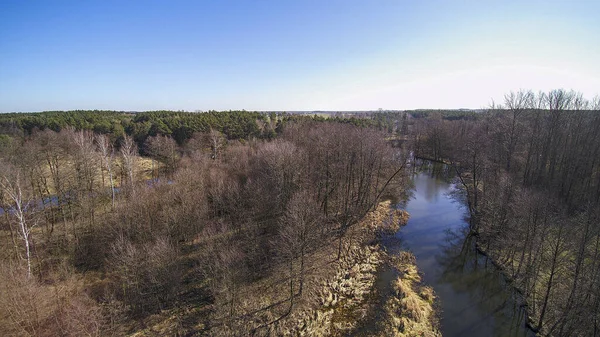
column 291, row 55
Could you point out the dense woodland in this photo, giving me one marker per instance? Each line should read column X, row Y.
column 530, row 172
column 109, row 218
column 97, row 238
column 179, row 125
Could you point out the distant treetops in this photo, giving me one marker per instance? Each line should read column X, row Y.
column 181, row 125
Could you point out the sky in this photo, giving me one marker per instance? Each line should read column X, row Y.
column 285, row 55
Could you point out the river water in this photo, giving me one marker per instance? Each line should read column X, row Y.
column 474, row 298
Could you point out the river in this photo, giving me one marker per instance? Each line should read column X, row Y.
column 474, row 297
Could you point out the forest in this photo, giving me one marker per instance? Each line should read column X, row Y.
column 178, row 125
column 530, row 174
column 234, row 223
column 112, row 225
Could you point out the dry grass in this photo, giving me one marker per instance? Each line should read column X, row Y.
column 386, row 218
column 410, row 312
column 145, row 167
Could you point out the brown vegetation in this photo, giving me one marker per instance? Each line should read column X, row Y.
column 411, row 311
column 238, row 239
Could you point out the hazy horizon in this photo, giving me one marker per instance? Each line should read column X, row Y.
column 291, row 56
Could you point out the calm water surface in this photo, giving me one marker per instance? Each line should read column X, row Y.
column 474, row 299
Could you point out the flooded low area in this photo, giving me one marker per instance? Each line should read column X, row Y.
column 473, row 296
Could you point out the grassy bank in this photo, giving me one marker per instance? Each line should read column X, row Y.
column 346, row 298
column 410, row 312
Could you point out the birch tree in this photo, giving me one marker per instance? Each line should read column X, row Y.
column 217, row 142
column 13, row 187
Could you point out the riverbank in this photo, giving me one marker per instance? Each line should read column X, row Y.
column 411, row 311
column 346, row 300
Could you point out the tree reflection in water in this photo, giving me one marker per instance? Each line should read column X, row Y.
column 474, row 298
column 469, row 272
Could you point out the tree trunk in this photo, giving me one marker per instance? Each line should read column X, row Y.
column 550, row 280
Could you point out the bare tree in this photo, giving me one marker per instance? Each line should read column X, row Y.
column 217, row 142
column 298, row 234
column 149, row 273
column 128, row 156
column 84, row 160
column 5, row 204
column 13, row 187
column 225, row 269
column 595, row 104
column 106, row 155
column 163, row 149
column 517, row 104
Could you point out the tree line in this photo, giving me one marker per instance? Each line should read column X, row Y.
column 179, row 125
column 530, row 175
